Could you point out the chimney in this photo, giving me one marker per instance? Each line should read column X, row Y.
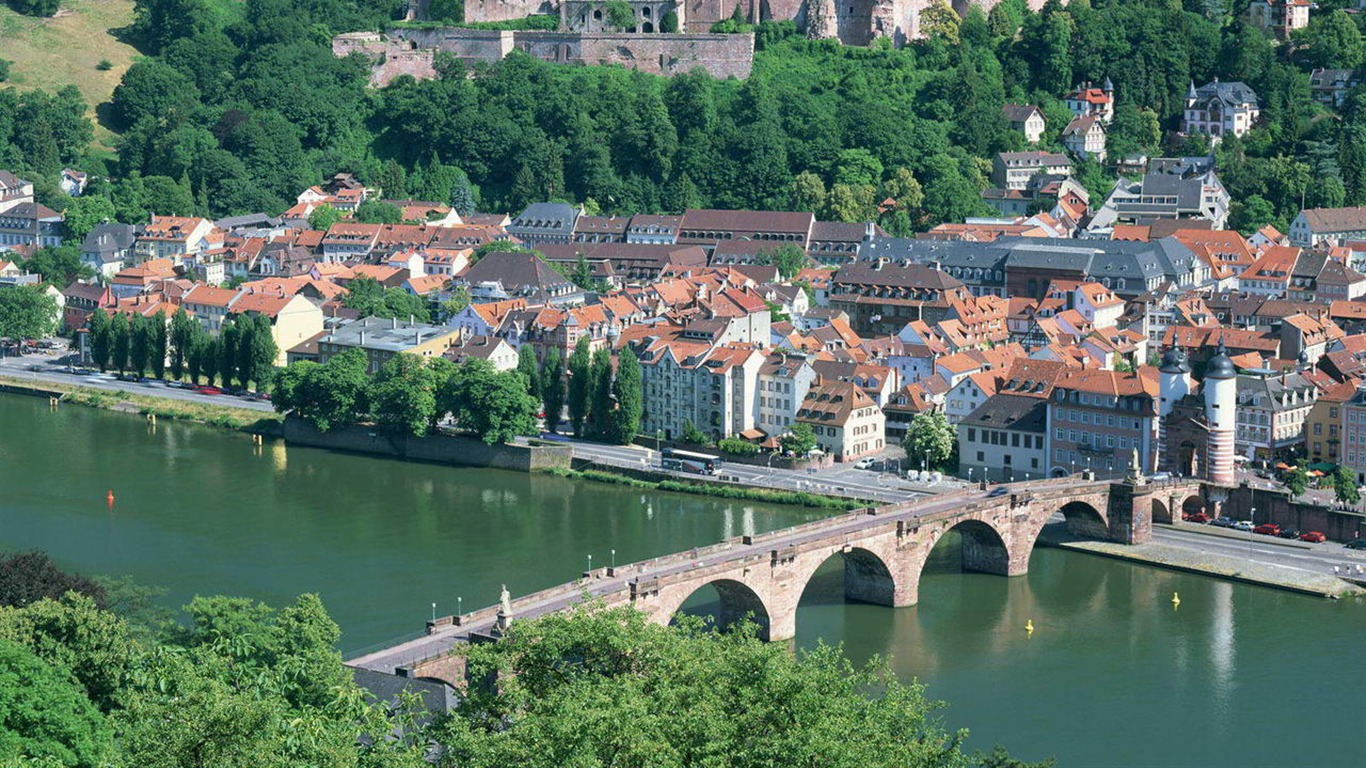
column 362, row 337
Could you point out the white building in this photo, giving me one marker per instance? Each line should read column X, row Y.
column 715, row 388
column 846, row 421
column 784, row 380
column 1219, row 109
column 1331, row 226
column 1085, row 138
column 1026, row 119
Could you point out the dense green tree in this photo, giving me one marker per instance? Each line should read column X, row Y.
column 529, row 370
column 158, row 343
column 27, row 577
column 545, row 712
column 403, row 396
column 580, row 385
column 101, row 339
column 27, row 312
column 153, row 89
column 229, row 342
column 600, row 374
column 59, row 266
column 629, row 394
column 139, row 344
column 120, row 334
column 85, row 213
column 808, row 193
column 45, row 718
column 495, row 406
column 799, row 441
column 73, row 632
column 1345, row 486
column 1296, row 481
column 323, row 217
column 184, row 329
column 930, row 441
column 552, row 388
column 330, row 395
column 1331, row 40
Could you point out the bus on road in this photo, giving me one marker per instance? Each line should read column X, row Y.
column 687, row 461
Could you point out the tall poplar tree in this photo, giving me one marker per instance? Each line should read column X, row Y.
column 601, row 394
column 630, row 397
column 552, row 388
column 580, row 385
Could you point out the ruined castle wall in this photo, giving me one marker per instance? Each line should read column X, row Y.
column 507, row 10
column 471, row 45
column 721, row 55
column 412, row 51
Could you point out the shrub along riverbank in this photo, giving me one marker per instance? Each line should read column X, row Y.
column 766, row 495
column 240, row 419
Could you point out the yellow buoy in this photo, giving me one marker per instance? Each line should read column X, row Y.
column 1029, row 627
column 1176, row 599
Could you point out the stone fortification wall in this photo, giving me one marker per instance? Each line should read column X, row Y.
column 720, row 55
column 412, row 51
column 507, row 10
column 443, row 449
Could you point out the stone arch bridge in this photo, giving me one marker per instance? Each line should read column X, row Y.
column 884, row 550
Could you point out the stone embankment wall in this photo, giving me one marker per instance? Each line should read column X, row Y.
column 443, row 449
column 412, row 51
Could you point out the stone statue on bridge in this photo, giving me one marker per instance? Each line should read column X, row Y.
column 1136, row 470
column 504, row 612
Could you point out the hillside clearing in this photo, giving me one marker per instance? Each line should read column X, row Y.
column 64, row 50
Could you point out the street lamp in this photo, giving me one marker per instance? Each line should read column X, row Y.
column 433, row 613
column 969, row 475
column 459, row 606
column 1074, row 466
column 590, row 563
column 614, row 559
column 1251, row 518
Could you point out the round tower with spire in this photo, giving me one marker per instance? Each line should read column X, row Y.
column 1221, row 413
column 1173, row 383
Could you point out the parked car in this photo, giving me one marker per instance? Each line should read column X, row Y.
column 1242, row 525
column 208, row 390
column 1195, row 517
column 864, row 463
column 1268, row 529
column 1223, row 522
column 1356, row 544
column 1313, row 536
column 999, row 490
column 1289, row 533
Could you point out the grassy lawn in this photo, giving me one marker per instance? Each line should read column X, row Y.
column 52, row 53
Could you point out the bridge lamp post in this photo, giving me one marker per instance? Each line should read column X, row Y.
column 969, row 475
column 614, row 559
column 433, row 613
column 590, row 563
column 459, row 606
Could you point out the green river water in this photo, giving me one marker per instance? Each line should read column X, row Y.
column 1112, row 676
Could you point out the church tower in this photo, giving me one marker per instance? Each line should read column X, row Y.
column 1221, row 412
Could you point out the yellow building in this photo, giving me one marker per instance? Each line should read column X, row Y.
column 1323, row 425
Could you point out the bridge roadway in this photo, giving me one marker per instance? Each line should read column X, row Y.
column 609, row 583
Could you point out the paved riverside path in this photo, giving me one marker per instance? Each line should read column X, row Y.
column 604, row 583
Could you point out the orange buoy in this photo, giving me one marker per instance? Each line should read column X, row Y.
column 109, row 497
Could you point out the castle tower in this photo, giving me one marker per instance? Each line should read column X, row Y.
column 1174, row 383
column 1221, row 409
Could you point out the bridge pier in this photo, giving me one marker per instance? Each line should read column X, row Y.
column 1131, row 513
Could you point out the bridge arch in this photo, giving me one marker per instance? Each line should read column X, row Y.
column 1192, row 504
column 738, row 602
column 1084, row 520
column 868, row 577
column 1161, row 512
column 984, row 549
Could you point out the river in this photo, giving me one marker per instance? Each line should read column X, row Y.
column 1112, row 675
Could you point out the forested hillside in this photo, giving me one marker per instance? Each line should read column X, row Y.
column 228, row 116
